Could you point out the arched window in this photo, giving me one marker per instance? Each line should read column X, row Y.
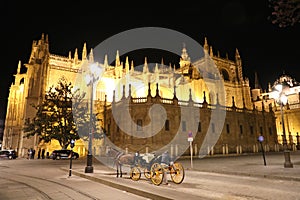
column 21, row 81
column 225, row 75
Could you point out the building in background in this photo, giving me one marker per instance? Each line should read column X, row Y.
column 291, row 110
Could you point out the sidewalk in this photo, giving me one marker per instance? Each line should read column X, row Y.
column 251, row 165
column 245, row 165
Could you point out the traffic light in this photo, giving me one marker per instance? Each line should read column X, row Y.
column 72, row 143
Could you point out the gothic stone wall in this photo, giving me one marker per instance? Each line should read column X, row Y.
column 239, row 129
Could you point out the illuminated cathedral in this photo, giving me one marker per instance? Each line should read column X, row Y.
column 175, row 89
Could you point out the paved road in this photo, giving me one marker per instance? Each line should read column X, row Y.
column 24, row 179
column 233, row 177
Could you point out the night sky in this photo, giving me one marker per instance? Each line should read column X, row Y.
column 264, row 47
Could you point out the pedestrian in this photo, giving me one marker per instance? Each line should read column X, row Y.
column 33, row 153
column 29, row 154
column 43, row 153
column 165, row 162
column 39, row 154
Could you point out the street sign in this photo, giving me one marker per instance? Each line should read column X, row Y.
column 190, row 136
column 260, row 138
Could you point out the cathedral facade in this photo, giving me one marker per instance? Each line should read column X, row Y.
column 189, row 96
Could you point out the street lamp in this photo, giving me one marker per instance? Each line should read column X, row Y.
column 91, row 79
column 72, row 146
column 281, row 99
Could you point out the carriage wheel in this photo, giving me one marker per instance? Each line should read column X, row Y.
column 147, row 173
column 135, row 173
column 177, row 173
column 156, row 174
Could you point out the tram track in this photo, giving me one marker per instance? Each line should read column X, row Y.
column 46, row 196
column 36, row 183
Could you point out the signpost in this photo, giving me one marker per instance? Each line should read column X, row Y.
column 261, row 139
column 190, row 140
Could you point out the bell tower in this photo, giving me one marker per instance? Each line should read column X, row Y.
column 35, row 79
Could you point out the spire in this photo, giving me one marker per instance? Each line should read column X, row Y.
column 117, row 59
column 47, row 40
column 237, row 54
column 156, row 68
column 269, row 87
column 76, row 56
column 211, row 52
column 70, row 57
column 205, row 46
column 132, row 66
column 238, row 57
column 91, row 56
column 105, row 61
column 145, row 68
column 162, row 62
column 84, row 52
column 19, row 67
column 126, row 65
column 184, row 54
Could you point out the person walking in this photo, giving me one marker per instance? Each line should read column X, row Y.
column 33, row 153
column 39, row 153
column 29, row 154
column 43, row 153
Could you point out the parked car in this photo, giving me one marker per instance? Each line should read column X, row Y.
column 8, row 154
column 63, row 154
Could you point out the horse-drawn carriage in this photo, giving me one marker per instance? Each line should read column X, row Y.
column 153, row 169
column 150, row 165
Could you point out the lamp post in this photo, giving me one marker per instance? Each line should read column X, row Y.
column 282, row 100
column 91, row 78
column 72, row 145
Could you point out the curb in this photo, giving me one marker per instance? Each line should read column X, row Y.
column 252, row 175
column 120, row 187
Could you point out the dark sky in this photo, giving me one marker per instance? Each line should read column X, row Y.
column 264, row 47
